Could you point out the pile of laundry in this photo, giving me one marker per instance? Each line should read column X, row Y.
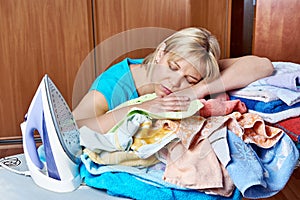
column 276, row 98
column 218, row 152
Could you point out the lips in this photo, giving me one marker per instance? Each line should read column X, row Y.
column 165, row 90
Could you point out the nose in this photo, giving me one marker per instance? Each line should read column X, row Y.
column 176, row 79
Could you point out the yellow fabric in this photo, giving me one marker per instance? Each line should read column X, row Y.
column 149, row 134
column 120, row 158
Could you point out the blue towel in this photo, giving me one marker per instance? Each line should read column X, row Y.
column 258, row 172
column 151, row 175
column 265, row 107
column 122, row 184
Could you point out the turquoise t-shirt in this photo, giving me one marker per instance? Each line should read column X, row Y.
column 116, row 83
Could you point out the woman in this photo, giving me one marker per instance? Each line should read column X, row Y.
column 185, row 66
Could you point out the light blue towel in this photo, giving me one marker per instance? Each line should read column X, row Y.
column 258, row 172
column 151, row 175
column 125, row 185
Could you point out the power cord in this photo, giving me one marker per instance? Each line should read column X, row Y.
column 7, row 163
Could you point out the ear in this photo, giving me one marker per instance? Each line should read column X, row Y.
column 161, row 52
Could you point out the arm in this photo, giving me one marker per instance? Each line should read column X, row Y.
column 92, row 110
column 239, row 72
column 235, row 73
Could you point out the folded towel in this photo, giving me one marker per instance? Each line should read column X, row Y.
column 290, row 97
column 266, row 107
column 280, row 68
column 255, row 93
column 150, row 175
column 125, row 185
column 262, row 86
column 290, row 81
column 279, row 116
column 126, row 158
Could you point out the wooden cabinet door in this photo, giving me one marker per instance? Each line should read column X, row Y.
column 116, row 16
column 39, row 37
column 276, row 33
column 214, row 15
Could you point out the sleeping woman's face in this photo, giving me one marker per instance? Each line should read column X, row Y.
column 171, row 76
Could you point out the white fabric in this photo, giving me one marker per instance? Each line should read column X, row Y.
column 261, row 90
column 118, row 139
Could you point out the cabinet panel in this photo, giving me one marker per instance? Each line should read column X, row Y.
column 277, row 25
column 114, row 17
column 214, row 15
column 39, row 37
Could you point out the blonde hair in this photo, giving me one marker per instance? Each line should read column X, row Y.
column 196, row 45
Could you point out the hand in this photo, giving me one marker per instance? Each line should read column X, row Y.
column 167, row 104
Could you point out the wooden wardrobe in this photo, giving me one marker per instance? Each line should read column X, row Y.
column 59, row 37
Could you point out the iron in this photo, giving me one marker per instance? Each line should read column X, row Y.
column 50, row 116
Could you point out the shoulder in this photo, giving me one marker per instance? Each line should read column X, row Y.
column 121, row 67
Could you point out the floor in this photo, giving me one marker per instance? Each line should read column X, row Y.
column 291, row 191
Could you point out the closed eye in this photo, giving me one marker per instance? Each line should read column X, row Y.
column 173, row 66
column 192, row 80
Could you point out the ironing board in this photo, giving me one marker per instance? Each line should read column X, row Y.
column 18, row 187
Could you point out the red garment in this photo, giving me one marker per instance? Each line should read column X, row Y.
column 291, row 126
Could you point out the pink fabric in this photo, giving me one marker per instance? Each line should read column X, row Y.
column 193, row 164
column 194, row 168
column 255, row 130
column 228, row 185
column 219, row 107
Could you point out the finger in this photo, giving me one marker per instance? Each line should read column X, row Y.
column 175, row 102
column 175, row 98
column 176, row 106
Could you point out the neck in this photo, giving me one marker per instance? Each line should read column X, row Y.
column 141, row 80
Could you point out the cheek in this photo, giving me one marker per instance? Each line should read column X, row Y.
column 159, row 74
column 184, row 84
